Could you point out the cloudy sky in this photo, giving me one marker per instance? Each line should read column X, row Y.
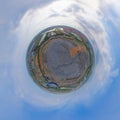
column 21, row 98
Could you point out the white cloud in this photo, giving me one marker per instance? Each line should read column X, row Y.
column 63, row 13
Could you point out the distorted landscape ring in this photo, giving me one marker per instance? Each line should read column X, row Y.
column 60, row 59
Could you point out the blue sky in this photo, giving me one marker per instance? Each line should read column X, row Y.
column 21, row 98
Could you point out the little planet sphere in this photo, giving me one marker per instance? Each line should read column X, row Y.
column 60, row 59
